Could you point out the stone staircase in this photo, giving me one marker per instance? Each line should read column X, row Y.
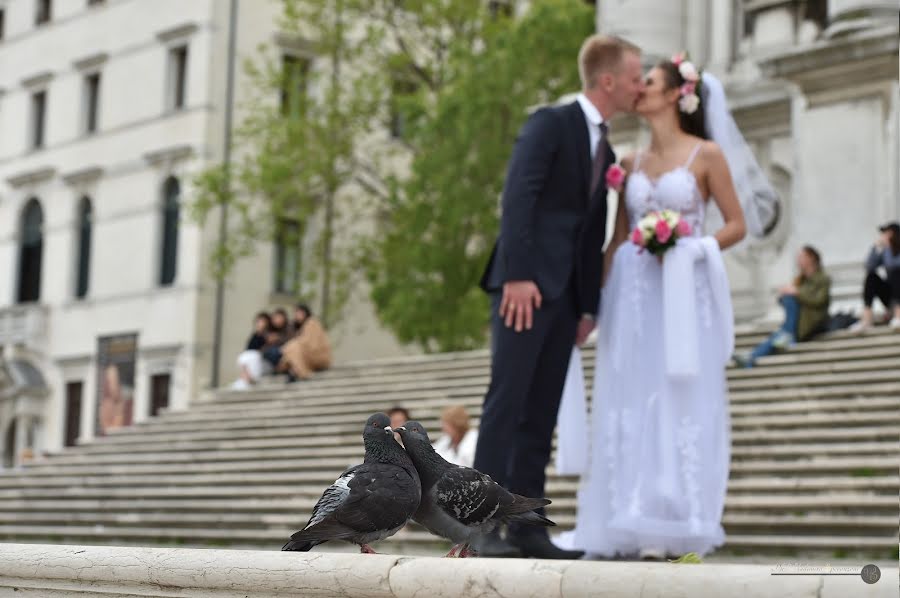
column 816, row 441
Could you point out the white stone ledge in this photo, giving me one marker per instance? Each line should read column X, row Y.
column 31, row 570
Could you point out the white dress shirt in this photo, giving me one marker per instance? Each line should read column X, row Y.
column 463, row 454
column 593, row 118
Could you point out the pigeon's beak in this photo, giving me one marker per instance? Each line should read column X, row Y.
column 400, row 428
column 388, row 430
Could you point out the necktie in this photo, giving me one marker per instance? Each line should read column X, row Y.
column 599, row 157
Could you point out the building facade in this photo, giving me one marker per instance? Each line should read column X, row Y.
column 813, row 85
column 109, row 108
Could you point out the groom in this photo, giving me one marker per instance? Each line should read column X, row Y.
column 544, row 276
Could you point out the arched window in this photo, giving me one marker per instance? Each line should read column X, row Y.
column 85, row 222
column 30, row 251
column 169, row 255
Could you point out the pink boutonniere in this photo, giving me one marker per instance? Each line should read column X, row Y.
column 615, row 176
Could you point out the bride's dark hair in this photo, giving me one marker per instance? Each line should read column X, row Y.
column 692, row 124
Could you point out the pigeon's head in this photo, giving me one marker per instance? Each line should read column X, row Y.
column 377, row 425
column 412, row 431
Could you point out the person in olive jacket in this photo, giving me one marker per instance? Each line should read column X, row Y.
column 805, row 303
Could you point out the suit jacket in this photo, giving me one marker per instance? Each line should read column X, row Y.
column 550, row 230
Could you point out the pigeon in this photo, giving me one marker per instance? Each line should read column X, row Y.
column 461, row 503
column 368, row 502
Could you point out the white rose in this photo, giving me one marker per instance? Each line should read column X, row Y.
column 688, row 71
column 670, row 217
column 689, row 103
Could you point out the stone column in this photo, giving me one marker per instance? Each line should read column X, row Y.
column 659, row 36
column 721, row 36
column 21, row 437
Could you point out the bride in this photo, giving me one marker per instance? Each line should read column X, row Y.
column 658, row 451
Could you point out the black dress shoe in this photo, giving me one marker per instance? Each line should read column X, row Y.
column 539, row 546
column 492, row 545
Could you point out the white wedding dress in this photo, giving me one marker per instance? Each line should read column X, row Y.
column 658, row 442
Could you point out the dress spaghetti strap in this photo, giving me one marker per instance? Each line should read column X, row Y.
column 693, row 155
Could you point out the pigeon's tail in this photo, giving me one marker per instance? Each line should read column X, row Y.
column 522, row 504
column 531, row 518
column 300, row 545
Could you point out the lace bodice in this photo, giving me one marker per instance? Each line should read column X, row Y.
column 675, row 190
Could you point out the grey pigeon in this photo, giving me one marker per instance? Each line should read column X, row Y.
column 461, row 503
column 368, row 502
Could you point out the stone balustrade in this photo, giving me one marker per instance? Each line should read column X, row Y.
column 52, row 571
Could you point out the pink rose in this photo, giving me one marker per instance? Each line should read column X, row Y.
column 636, row 237
column 683, row 229
column 688, row 88
column 677, row 59
column 615, row 176
column 663, row 231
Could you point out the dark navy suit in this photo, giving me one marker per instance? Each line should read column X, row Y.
column 552, row 233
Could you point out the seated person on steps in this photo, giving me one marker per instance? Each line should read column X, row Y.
column 805, row 304
column 309, row 350
column 457, row 444
column 250, row 360
column 885, row 253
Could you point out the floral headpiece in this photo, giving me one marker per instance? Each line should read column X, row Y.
column 689, row 101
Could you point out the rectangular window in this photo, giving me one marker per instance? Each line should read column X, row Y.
column 178, row 77
column 402, row 89
column 2, row 22
column 91, row 102
column 73, row 412
column 38, row 112
column 294, row 71
column 288, row 256
column 159, row 392
column 43, row 13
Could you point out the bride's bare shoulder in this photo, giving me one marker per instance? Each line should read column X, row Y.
column 628, row 161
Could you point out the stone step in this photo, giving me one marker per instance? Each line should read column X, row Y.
column 741, row 415
column 292, row 520
column 466, row 360
column 868, row 465
column 346, row 453
column 299, row 507
column 818, row 433
column 381, row 394
column 775, row 430
column 756, row 396
column 303, row 399
column 810, row 363
column 312, row 482
column 868, row 487
column 274, row 538
column 831, row 366
column 818, row 406
column 811, row 381
column 791, row 467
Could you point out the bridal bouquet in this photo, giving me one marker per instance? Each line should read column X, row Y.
column 658, row 231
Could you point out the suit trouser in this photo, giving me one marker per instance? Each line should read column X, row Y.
column 528, row 371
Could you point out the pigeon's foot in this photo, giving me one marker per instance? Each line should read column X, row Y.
column 467, row 552
column 366, row 549
column 453, row 550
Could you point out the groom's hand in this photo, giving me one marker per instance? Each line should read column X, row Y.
column 519, row 298
column 585, row 327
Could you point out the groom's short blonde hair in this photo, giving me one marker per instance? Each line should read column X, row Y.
column 602, row 54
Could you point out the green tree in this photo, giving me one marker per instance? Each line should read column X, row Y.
column 302, row 144
column 439, row 223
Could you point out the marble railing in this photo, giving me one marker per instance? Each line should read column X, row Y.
column 50, row 571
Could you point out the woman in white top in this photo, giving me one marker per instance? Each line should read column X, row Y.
column 457, row 445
